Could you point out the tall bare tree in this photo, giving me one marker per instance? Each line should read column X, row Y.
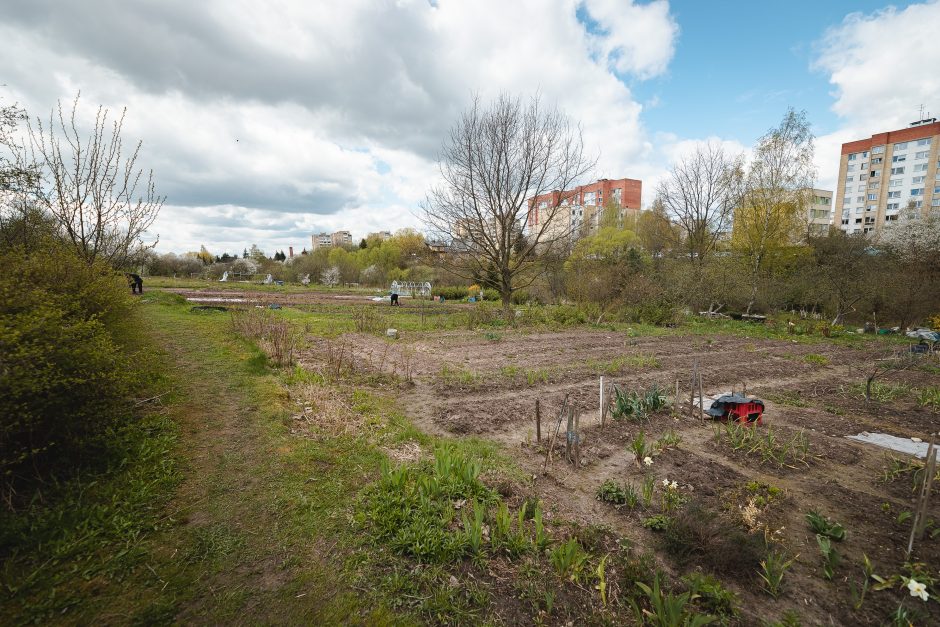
column 103, row 202
column 774, row 212
column 495, row 159
column 700, row 195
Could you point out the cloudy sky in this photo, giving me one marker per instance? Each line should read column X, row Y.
column 267, row 121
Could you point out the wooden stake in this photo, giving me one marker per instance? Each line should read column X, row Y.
column 568, row 435
column 577, row 441
column 920, row 513
column 600, row 406
column 554, row 436
column 692, row 390
column 538, row 423
column 675, row 400
column 701, row 398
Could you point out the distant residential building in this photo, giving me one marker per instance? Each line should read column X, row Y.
column 581, row 210
column 380, row 235
column 879, row 176
column 341, row 238
column 321, row 240
column 795, row 228
column 819, row 213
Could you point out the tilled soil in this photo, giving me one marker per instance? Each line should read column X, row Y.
column 487, row 385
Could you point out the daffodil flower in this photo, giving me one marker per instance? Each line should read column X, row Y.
column 665, row 483
column 918, row 589
column 675, row 486
column 648, row 461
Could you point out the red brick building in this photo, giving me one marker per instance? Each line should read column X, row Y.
column 583, row 206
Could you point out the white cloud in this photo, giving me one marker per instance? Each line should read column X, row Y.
column 636, row 39
column 882, row 66
column 260, row 122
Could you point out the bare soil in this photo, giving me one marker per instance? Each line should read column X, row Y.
column 486, row 385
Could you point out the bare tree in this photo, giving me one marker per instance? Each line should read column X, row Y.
column 495, row 159
column 700, row 194
column 773, row 214
column 91, row 186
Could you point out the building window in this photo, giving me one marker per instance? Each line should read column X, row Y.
column 862, row 177
column 893, row 206
column 898, row 158
column 877, row 150
column 935, row 202
column 853, row 156
column 896, row 183
column 875, row 173
column 918, row 204
column 860, row 199
column 876, row 160
column 890, row 218
column 923, row 142
column 921, row 167
column 851, row 168
column 874, row 185
column 936, row 190
column 896, row 194
column 858, row 220
column 897, row 170
column 861, row 188
column 923, row 154
column 917, row 192
column 918, row 179
column 873, row 197
column 901, row 146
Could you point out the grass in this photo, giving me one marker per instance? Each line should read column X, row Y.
column 766, row 445
column 816, row 360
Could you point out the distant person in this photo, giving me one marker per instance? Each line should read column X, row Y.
column 394, row 300
column 135, row 282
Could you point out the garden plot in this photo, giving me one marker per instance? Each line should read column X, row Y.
column 763, row 481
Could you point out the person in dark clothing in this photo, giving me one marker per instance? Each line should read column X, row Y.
column 394, row 299
column 135, row 282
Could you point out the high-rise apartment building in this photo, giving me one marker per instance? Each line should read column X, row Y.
column 819, row 215
column 581, row 209
column 341, row 238
column 881, row 175
column 320, row 240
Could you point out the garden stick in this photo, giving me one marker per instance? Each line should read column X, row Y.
column 920, row 511
column 577, row 441
column 568, row 435
column 551, row 443
column 538, row 423
column 600, row 406
column 675, row 400
column 701, row 399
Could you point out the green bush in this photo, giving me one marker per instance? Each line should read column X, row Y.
column 65, row 377
column 450, row 293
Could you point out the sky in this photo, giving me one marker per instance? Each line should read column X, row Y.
column 265, row 122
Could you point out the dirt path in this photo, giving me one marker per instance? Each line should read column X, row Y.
column 236, row 541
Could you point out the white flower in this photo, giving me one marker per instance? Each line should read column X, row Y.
column 918, row 589
column 648, row 460
column 675, row 486
column 665, row 483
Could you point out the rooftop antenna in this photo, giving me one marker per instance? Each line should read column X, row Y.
column 921, row 114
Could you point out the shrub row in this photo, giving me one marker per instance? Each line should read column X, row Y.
column 65, row 378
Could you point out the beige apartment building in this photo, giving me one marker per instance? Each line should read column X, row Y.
column 819, row 216
column 881, row 175
column 326, row 240
column 341, row 238
column 320, row 240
